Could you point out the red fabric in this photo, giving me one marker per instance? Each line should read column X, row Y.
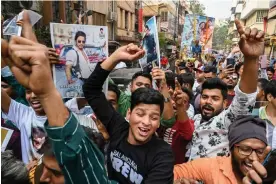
column 164, row 61
column 182, row 135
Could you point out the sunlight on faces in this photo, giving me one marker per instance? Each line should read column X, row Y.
column 140, row 82
column 34, row 103
column 80, row 42
column 144, row 119
column 211, row 103
column 243, row 163
column 51, row 171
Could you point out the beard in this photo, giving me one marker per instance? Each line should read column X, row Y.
column 206, row 117
column 230, row 86
column 235, row 166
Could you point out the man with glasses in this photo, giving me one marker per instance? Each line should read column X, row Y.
column 231, row 80
column 248, row 145
column 77, row 61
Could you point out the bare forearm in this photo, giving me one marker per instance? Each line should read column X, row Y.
column 168, row 112
column 248, row 83
column 54, row 108
column 182, row 114
column 68, row 71
column 109, row 64
column 6, row 101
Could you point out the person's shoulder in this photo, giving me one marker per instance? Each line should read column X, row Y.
column 158, row 145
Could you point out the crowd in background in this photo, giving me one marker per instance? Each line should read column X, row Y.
column 209, row 121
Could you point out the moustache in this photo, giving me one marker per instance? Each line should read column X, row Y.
column 209, row 107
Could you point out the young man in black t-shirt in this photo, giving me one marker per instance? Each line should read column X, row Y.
column 135, row 154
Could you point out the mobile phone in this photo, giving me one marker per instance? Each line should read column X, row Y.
column 263, row 59
column 230, row 61
column 270, row 166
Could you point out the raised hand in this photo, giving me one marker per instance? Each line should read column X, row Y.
column 30, row 64
column 181, row 99
column 226, row 71
column 258, row 172
column 27, row 29
column 159, row 75
column 251, row 41
column 127, row 53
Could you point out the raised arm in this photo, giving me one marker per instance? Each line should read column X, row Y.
column 252, row 46
column 93, row 87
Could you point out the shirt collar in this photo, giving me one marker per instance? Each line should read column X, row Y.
column 225, row 165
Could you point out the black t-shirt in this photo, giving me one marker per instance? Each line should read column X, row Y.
column 150, row 163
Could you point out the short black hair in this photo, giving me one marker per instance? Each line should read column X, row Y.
column 12, row 170
column 170, row 79
column 263, row 82
column 270, row 88
column 114, row 88
column 271, row 69
column 142, row 74
column 215, row 83
column 208, row 69
column 101, row 28
column 185, row 78
column 238, row 67
column 80, row 33
column 188, row 92
column 147, row 96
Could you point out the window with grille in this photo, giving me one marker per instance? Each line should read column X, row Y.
column 260, row 15
column 164, row 16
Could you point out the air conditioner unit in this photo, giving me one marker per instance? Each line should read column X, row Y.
column 112, row 16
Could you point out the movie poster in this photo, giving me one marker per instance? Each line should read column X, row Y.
column 80, row 48
column 199, row 28
column 150, row 44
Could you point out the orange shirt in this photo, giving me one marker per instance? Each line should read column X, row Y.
column 215, row 170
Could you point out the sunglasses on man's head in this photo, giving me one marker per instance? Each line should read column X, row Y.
column 79, row 41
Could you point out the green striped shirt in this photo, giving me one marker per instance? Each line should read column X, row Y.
column 79, row 158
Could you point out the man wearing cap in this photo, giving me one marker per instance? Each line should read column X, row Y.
column 248, row 145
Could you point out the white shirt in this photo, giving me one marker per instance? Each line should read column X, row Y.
column 210, row 138
column 32, row 129
column 86, row 67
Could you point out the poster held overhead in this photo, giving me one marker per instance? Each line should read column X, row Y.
column 150, row 43
column 80, row 48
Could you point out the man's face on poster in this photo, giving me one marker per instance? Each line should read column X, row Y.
column 101, row 31
column 80, row 42
column 38, row 138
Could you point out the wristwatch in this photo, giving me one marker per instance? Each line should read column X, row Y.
column 167, row 99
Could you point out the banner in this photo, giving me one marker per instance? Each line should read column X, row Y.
column 199, row 28
column 150, row 44
column 80, row 48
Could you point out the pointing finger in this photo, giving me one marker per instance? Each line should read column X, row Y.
column 239, row 27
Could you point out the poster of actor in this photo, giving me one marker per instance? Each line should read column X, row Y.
column 150, row 44
column 80, row 48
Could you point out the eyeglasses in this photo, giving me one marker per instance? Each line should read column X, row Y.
column 246, row 150
column 233, row 77
column 79, row 41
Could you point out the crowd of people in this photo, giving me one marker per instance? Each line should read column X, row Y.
column 197, row 124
